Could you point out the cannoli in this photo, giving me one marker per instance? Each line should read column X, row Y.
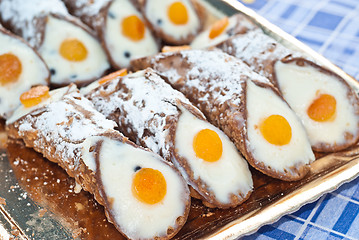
column 156, row 116
column 68, row 47
column 222, row 30
column 119, row 25
column 20, row 68
column 144, row 196
column 326, row 104
column 174, row 21
column 243, row 104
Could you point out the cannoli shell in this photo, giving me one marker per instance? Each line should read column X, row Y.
column 92, row 13
column 7, row 32
column 63, row 150
column 351, row 95
column 163, row 35
column 261, row 52
column 63, row 144
column 258, row 51
column 29, row 23
column 229, row 115
column 156, row 129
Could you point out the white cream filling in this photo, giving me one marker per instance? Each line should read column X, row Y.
column 157, row 10
column 88, row 156
column 92, row 67
column 120, row 45
column 229, row 175
column 300, row 87
column 262, row 103
column 34, row 72
column 55, row 95
column 139, row 220
column 203, row 41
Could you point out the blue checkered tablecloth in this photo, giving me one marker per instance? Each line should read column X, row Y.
column 331, row 27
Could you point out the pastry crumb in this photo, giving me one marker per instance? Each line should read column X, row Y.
column 42, row 212
column 79, row 206
column 77, row 232
column 2, row 201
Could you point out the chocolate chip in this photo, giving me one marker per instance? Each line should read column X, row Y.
column 111, row 15
column 159, row 21
column 137, row 168
column 52, row 71
column 127, row 54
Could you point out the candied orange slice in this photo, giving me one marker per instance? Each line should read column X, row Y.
column 149, row 186
column 322, row 108
column 177, row 13
column 133, row 28
column 218, row 27
column 208, row 145
column 119, row 73
column 175, row 48
column 35, row 96
column 73, row 50
column 276, row 130
column 10, row 68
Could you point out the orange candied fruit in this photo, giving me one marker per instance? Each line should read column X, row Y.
column 34, row 96
column 133, row 28
column 10, row 68
column 73, row 50
column 218, row 27
column 149, row 186
column 177, row 13
column 276, row 130
column 208, row 145
column 119, row 73
column 322, row 108
column 175, row 48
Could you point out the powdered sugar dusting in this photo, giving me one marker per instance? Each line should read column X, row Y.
column 214, row 81
column 216, row 74
column 146, row 103
column 89, row 11
column 64, row 125
column 256, row 48
column 24, row 15
column 89, row 7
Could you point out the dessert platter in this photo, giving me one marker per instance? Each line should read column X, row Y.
column 199, row 119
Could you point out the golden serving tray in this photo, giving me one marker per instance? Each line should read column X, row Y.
column 41, row 202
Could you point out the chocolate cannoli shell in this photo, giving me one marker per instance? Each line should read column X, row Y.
column 350, row 138
column 28, row 19
column 108, row 202
column 262, row 54
column 30, row 61
column 92, row 13
column 230, row 117
column 115, row 99
column 200, row 11
column 95, row 15
column 7, row 32
column 258, row 51
column 59, row 129
column 64, row 151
